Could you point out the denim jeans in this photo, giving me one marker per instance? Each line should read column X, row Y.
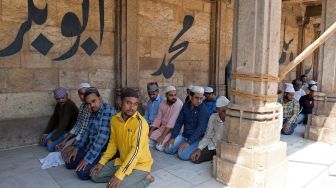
column 302, row 118
column 184, row 154
column 291, row 130
column 52, row 146
column 85, row 173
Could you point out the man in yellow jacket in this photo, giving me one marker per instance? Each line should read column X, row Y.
column 129, row 136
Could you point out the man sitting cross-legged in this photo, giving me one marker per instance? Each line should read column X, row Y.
column 194, row 118
column 61, row 121
column 215, row 132
column 164, row 122
column 129, row 136
column 88, row 150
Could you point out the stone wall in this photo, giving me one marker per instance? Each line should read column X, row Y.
column 290, row 31
column 159, row 24
column 28, row 77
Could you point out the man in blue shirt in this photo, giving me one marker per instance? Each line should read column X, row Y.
column 210, row 99
column 153, row 103
column 194, row 117
column 94, row 139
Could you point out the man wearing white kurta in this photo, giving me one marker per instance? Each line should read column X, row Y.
column 215, row 132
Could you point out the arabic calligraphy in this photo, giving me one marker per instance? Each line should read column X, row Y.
column 167, row 68
column 70, row 27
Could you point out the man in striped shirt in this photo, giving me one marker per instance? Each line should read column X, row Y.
column 129, row 136
column 88, row 150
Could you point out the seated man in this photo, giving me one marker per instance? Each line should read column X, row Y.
column 160, row 130
column 307, row 105
column 82, row 121
column 93, row 142
column 194, row 117
column 290, row 110
column 61, row 121
column 153, row 103
column 210, row 99
column 215, row 132
column 299, row 92
column 129, row 136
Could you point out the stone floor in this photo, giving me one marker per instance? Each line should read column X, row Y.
column 308, row 167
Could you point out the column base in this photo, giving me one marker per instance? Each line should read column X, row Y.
column 262, row 167
column 322, row 129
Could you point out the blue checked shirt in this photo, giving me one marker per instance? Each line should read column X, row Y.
column 81, row 122
column 152, row 109
column 97, row 134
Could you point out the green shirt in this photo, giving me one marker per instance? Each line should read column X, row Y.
column 63, row 119
column 290, row 110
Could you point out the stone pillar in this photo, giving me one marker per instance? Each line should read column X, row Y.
column 125, row 45
column 322, row 127
column 251, row 154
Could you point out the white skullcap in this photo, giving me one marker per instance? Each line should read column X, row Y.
column 312, row 82
column 208, row 90
column 169, row 88
column 313, row 88
column 222, row 101
column 84, row 85
column 190, row 87
column 197, row 89
column 289, row 88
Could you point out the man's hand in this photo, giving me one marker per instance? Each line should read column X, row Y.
column 49, row 142
column 67, row 151
column 171, row 142
column 81, row 165
column 42, row 138
column 183, row 146
column 195, row 156
column 72, row 156
column 151, row 130
column 95, row 169
column 113, row 183
column 61, row 145
column 160, row 139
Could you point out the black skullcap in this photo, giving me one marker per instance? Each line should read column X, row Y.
column 90, row 90
column 129, row 92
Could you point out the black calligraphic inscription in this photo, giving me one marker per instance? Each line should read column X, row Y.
column 285, row 47
column 34, row 14
column 101, row 18
column 71, row 27
column 89, row 46
column 167, row 69
column 307, row 71
column 228, row 76
column 42, row 44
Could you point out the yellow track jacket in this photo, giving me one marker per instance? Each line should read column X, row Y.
column 130, row 138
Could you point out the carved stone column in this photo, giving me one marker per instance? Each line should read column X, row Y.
column 322, row 127
column 251, row 154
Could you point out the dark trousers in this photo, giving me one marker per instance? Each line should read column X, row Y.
column 85, row 173
column 206, row 155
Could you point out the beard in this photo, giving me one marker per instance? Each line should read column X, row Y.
column 172, row 101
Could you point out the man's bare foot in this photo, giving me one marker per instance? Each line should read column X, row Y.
column 150, row 178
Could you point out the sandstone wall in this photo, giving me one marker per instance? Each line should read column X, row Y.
column 159, row 24
column 27, row 78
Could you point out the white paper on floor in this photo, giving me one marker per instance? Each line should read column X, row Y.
column 51, row 160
